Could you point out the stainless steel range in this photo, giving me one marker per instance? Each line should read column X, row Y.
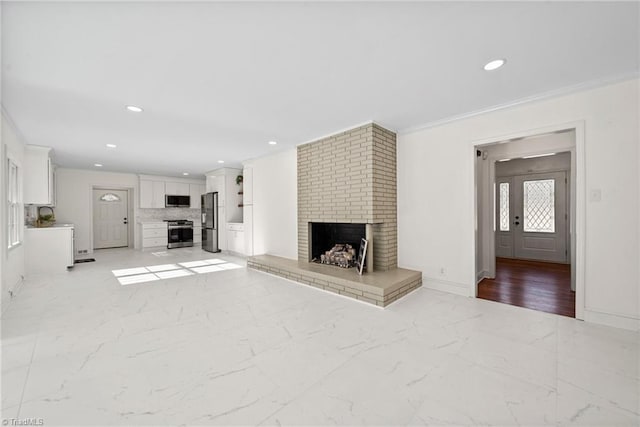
column 180, row 233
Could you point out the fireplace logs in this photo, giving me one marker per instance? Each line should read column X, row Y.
column 342, row 255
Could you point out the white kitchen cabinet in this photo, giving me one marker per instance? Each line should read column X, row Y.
column 217, row 184
column 48, row 249
column 152, row 193
column 154, row 234
column 195, row 192
column 235, row 237
column 39, row 176
column 176, row 188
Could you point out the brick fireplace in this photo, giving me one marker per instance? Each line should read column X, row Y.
column 347, row 178
column 346, row 191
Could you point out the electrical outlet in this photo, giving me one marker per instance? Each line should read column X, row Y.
column 442, row 271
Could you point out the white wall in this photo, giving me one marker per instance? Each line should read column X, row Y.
column 74, row 193
column 275, row 204
column 12, row 261
column 436, row 213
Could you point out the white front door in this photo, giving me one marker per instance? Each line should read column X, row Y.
column 532, row 217
column 110, row 219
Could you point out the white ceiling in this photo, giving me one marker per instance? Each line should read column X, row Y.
column 219, row 80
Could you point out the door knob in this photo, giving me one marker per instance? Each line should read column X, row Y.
column 517, row 222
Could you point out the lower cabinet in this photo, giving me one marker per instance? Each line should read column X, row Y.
column 48, row 250
column 235, row 237
column 154, row 234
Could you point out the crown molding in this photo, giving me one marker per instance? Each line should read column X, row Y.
column 567, row 90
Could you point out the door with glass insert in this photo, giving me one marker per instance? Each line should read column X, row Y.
column 537, row 209
column 504, row 228
column 110, row 212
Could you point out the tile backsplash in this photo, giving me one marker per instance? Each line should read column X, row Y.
column 169, row 213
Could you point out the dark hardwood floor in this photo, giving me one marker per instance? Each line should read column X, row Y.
column 541, row 286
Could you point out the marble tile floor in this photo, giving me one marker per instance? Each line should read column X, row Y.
column 240, row 347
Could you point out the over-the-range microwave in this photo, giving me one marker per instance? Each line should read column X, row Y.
column 177, row 201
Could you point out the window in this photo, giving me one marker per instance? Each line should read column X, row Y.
column 109, row 197
column 504, row 206
column 539, row 206
column 13, row 205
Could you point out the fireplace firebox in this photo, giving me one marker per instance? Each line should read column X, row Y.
column 326, row 235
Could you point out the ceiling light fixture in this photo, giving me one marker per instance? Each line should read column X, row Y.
column 111, row 145
column 98, row 165
column 504, row 160
column 185, row 173
column 134, row 109
column 495, row 64
column 220, row 161
column 539, row 155
column 272, row 142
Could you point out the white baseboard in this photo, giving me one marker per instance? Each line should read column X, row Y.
column 481, row 275
column 607, row 319
column 10, row 294
column 446, row 286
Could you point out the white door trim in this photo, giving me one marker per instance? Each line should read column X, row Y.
column 577, row 200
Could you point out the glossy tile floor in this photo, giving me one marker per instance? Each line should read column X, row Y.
column 241, row 347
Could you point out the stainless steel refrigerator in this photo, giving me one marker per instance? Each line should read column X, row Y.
column 209, row 208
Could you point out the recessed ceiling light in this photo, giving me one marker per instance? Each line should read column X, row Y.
column 220, row 161
column 111, row 145
column 134, row 109
column 185, row 173
column 98, row 165
column 495, row 64
column 272, row 142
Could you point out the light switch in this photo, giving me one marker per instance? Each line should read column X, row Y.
column 595, row 195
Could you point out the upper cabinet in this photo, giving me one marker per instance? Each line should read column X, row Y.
column 177, row 188
column 152, row 193
column 223, row 181
column 216, row 184
column 39, row 177
column 153, row 190
column 196, row 191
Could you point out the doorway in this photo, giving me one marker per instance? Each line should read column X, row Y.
column 110, row 218
column 525, row 240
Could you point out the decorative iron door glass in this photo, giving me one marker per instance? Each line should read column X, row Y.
column 532, row 217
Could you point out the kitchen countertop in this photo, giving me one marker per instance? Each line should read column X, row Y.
column 51, row 227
